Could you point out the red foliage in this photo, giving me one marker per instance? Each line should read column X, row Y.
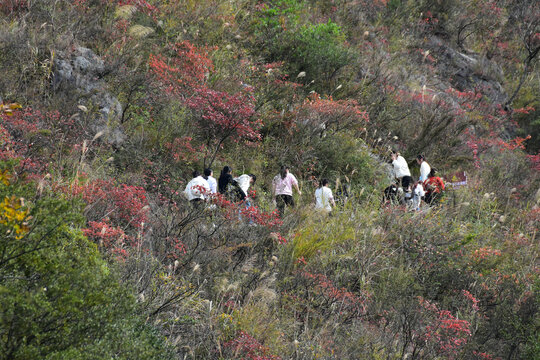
column 15, row 132
column 277, row 236
column 259, row 217
column 185, row 72
column 535, row 160
column 525, row 110
column 178, row 249
column 338, row 114
column 483, row 355
column 478, row 144
column 444, row 332
column 471, row 298
column 104, row 234
column 348, row 301
column 249, row 348
column 22, row 123
column 182, row 150
column 485, row 253
column 254, row 214
column 123, row 204
column 224, row 115
column 8, row 7
column 111, row 238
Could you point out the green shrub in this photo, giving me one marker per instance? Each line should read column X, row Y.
column 284, row 32
column 58, row 298
column 317, row 49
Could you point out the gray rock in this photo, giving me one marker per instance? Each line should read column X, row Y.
column 468, row 70
column 81, row 64
column 79, row 73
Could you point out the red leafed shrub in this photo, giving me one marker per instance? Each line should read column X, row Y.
column 445, row 333
column 235, row 210
column 124, row 204
column 8, row 7
column 104, row 234
column 182, row 150
column 16, row 134
column 482, row 355
column 177, row 248
column 223, row 115
column 348, row 302
column 21, row 123
column 111, row 239
column 333, row 114
column 262, row 218
column 535, row 161
column 485, row 253
column 184, row 72
column 219, row 116
column 249, row 348
column 474, row 301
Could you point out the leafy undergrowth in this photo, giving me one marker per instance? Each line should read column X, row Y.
column 106, row 106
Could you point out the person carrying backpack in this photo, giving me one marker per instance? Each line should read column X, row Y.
column 244, row 181
column 229, row 187
column 434, row 186
column 401, row 171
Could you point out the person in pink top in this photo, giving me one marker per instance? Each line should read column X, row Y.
column 282, row 189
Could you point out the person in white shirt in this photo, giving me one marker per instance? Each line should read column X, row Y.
column 401, row 170
column 324, row 200
column 418, row 195
column 425, row 169
column 244, row 181
column 197, row 189
column 208, row 175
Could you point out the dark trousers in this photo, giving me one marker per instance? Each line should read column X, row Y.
column 432, row 198
column 282, row 201
column 406, row 181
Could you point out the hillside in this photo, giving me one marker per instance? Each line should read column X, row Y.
column 108, row 106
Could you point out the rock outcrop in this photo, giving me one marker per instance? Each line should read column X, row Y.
column 81, row 71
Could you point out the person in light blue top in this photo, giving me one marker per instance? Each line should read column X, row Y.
column 208, row 175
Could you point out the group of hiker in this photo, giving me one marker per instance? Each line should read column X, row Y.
column 203, row 186
column 428, row 187
column 236, row 189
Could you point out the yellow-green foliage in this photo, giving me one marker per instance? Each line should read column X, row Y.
column 323, row 233
column 319, row 234
column 258, row 319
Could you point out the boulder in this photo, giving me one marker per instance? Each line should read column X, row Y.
column 467, row 70
column 80, row 73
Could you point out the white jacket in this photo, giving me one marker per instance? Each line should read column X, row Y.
column 243, row 182
column 324, row 198
column 401, row 168
column 197, row 188
column 425, row 169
